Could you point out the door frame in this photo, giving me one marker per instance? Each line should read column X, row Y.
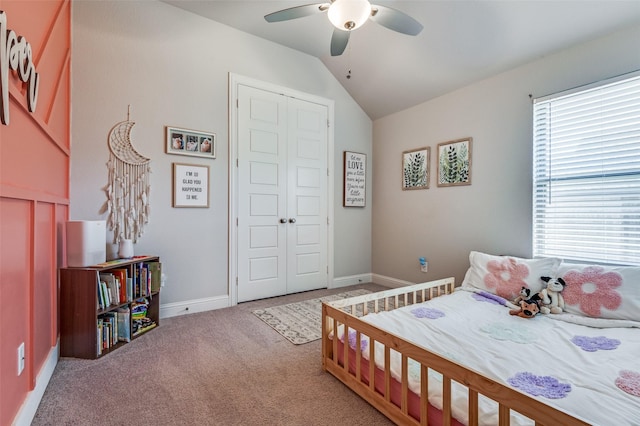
column 234, row 81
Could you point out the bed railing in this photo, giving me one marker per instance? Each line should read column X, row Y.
column 346, row 312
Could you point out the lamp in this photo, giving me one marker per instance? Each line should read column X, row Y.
column 347, row 15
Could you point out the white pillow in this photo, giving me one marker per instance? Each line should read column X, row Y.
column 506, row 275
column 600, row 291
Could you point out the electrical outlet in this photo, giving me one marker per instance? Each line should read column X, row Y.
column 20, row 358
column 424, row 265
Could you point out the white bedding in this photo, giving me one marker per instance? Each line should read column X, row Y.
column 599, row 384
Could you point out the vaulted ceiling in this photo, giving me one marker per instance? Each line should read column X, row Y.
column 463, row 41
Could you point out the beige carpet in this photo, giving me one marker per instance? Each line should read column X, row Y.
column 217, row 368
column 301, row 322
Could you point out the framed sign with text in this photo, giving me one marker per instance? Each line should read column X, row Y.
column 355, row 179
column 190, row 185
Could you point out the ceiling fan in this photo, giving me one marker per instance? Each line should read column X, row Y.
column 348, row 15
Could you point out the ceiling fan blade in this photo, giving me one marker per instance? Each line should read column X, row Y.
column 339, row 41
column 395, row 20
column 296, row 12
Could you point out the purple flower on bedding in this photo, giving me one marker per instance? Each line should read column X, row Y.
column 352, row 341
column 629, row 381
column 592, row 344
column 546, row 386
column 427, row 313
column 484, row 296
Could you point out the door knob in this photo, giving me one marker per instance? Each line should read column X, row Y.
column 292, row 220
column 283, row 220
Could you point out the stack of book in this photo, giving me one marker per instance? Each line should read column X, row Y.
column 117, row 287
column 113, row 327
column 140, row 321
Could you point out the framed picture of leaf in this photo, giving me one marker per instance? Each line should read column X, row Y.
column 454, row 162
column 415, row 168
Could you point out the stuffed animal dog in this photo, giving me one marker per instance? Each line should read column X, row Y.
column 553, row 293
column 526, row 294
column 527, row 309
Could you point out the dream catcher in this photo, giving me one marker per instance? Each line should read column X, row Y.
column 128, row 189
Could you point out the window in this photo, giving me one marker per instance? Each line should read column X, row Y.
column 586, row 173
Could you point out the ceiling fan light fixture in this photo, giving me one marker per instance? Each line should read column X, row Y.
column 348, row 15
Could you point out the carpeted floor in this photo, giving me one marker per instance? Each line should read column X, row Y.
column 301, row 322
column 222, row 367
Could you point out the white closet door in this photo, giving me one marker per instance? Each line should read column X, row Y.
column 262, row 194
column 307, row 197
column 282, row 195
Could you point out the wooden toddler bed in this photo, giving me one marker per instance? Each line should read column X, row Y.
column 416, row 384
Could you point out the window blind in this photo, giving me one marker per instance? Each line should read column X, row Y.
column 586, row 173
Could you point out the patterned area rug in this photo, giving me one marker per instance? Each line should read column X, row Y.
column 301, row 322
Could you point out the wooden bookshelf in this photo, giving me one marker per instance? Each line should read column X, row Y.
column 81, row 310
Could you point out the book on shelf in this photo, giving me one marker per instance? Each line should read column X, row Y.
column 129, row 289
column 104, row 294
column 108, row 324
column 124, row 324
column 100, row 301
column 136, row 280
column 99, row 338
column 121, row 275
column 142, row 280
column 155, row 272
column 112, row 286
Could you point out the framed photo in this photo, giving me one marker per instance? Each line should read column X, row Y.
column 355, row 179
column 454, row 162
column 190, row 185
column 415, row 168
column 190, row 142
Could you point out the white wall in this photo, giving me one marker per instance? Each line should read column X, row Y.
column 172, row 67
column 493, row 214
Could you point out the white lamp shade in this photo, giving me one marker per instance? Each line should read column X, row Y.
column 347, row 15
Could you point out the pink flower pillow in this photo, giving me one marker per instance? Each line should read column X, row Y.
column 506, row 275
column 600, row 291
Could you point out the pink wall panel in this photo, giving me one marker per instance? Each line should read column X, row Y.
column 59, row 111
column 15, row 279
column 34, row 21
column 44, row 282
column 29, row 159
column 52, row 59
column 34, row 198
column 62, row 214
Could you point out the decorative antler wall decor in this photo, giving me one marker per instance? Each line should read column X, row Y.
column 128, row 188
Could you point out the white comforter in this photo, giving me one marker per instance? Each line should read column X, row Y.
column 592, row 373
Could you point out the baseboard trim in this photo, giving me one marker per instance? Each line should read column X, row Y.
column 389, row 282
column 351, row 280
column 169, row 310
column 30, row 405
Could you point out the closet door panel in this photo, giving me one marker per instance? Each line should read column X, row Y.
column 307, row 165
column 262, row 194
